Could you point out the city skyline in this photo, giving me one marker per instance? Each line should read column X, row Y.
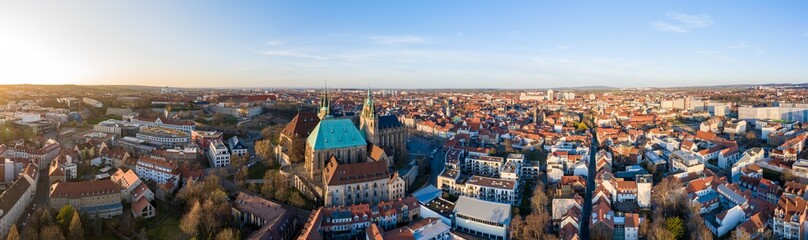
column 395, row 45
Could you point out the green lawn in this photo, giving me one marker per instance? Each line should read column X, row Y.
column 169, row 228
column 166, row 224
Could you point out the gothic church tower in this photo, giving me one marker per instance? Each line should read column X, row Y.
column 369, row 122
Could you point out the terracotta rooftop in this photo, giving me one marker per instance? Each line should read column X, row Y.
column 76, row 190
column 336, row 173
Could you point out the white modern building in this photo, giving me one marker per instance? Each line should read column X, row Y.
column 218, row 155
column 180, row 125
column 784, row 111
column 165, row 137
column 92, row 102
column 156, row 170
column 481, row 218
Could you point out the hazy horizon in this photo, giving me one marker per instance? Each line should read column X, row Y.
column 403, row 45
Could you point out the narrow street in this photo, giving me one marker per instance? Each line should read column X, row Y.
column 586, row 214
column 40, row 200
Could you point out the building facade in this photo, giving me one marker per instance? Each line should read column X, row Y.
column 218, row 155
column 102, row 197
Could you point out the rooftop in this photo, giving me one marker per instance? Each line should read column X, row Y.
column 484, row 210
column 335, row 133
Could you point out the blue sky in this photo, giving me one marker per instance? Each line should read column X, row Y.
column 398, row 44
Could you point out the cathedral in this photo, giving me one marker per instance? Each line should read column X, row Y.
column 385, row 131
column 353, row 165
column 339, row 137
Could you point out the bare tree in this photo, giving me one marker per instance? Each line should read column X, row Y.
column 539, row 201
column 13, row 233
column 76, row 230
column 668, row 194
column 51, row 232
column 264, row 149
column 536, row 225
column 227, row 234
column 190, row 222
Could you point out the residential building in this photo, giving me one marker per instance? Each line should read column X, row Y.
column 236, row 147
column 484, row 165
column 101, row 197
column 203, row 138
column 120, row 128
column 92, row 102
column 156, row 170
column 15, row 199
column 789, row 218
column 218, row 155
column 721, row 223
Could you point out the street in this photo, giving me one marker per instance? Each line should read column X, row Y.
column 40, row 200
column 590, row 186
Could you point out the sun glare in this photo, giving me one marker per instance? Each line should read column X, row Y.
column 26, row 62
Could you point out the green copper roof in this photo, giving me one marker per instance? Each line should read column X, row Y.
column 335, row 133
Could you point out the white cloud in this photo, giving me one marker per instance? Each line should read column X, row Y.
column 394, row 40
column 691, row 21
column 682, row 23
column 295, row 53
column 742, row 45
column 667, row 27
column 275, row 43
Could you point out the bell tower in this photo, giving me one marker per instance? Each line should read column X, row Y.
column 325, row 104
column 368, row 121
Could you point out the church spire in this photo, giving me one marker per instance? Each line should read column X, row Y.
column 369, row 110
column 325, row 103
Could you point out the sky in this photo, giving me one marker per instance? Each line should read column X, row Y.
column 404, row 44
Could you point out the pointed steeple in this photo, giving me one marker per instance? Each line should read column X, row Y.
column 369, row 109
column 325, row 104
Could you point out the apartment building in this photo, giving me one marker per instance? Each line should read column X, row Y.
column 102, row 197
column 156, row 170
column 15, row 199
column 483, row 165
column 218, row 155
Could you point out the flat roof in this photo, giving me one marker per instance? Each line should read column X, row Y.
column 484, row 210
